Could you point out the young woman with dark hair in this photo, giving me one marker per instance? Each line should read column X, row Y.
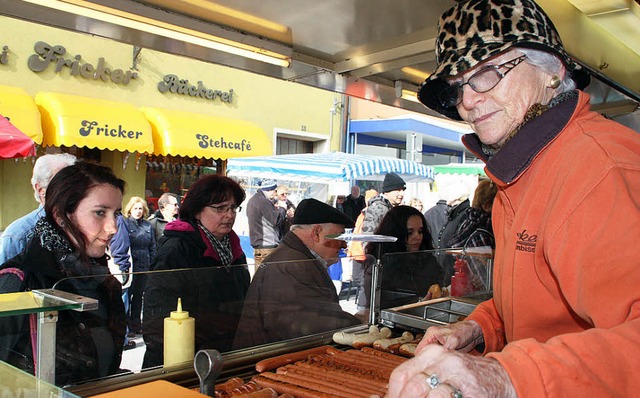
column 409, row 267
column 67, row 253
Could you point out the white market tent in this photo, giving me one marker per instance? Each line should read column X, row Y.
column 327, row 168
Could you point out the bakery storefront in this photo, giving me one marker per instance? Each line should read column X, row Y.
column 157, row 119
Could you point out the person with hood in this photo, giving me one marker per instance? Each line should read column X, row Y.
column 213, row 277
column 564, row 319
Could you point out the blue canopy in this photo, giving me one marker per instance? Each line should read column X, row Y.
column 327, row 167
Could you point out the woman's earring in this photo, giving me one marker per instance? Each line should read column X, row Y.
column 555, row 82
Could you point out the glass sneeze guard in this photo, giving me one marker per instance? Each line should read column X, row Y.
column 45, row 303
column 44, row 300
column 17, row 383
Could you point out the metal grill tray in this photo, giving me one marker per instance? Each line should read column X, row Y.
column 421, row 315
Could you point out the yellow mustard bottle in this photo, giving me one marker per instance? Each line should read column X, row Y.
column 179, row 337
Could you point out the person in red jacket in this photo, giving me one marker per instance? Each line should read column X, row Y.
column 564, row 319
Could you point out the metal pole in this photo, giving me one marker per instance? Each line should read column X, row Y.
column 46, row 349
column 376, row 287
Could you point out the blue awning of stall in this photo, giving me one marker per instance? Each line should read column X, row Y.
column 438, row 135
column 327, row 167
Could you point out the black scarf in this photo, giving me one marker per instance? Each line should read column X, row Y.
column 222, row 247
column 85, row 276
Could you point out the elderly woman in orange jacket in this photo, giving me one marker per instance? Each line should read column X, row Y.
column 565, row 315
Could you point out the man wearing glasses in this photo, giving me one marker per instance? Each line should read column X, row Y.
column 168, row 211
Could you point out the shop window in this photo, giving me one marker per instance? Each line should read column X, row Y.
column 173, row 174
column 288, row 146
column 84, row 153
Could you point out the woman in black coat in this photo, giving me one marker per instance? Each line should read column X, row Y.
column 203, row 264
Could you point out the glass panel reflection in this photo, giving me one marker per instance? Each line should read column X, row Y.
column 286, row 300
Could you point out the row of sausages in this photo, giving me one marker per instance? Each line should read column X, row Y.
column 323, row 372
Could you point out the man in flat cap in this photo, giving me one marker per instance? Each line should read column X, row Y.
column 265, row 219
column 291, row 294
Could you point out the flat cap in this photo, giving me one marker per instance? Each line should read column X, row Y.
column 313, row 211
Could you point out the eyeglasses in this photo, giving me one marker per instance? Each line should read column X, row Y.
column 482, row 81
column 226, row 208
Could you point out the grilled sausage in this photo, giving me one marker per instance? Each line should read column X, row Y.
column 285, row 359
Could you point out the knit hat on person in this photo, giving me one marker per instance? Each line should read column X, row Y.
column 268, row 185
column 476, row 30
column 392, row 182
column 313, row 211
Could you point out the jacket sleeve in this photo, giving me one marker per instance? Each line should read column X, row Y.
column 593, row 254
column 153, row 246
column 372, row 217
column 120, row 244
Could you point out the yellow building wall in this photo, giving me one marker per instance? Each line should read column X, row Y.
column 268, row 102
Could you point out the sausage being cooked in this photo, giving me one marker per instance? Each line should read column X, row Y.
column 230, row 384
column 264, row 393
column 322, row 384
column 285, row 359
column 286, row 388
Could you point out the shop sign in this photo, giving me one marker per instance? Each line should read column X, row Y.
column 174, row 84
column 46, row 54
column 4, row 55
column 205, row 142
column 91, row 127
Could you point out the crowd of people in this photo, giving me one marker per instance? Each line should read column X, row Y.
column 195, row 239
column 554, row 225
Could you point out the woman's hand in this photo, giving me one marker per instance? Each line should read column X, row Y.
column 439, row 372
column 462, row 336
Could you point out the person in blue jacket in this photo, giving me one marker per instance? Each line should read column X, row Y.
column 143, row 250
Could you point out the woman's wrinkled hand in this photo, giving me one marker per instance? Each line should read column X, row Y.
column 462, row 336
column 449, row 372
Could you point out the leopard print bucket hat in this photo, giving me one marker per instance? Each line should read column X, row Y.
column 475, row 30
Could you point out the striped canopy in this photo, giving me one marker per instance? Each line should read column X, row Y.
column 327, row 167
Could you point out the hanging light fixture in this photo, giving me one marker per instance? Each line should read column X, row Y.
column 164, row 29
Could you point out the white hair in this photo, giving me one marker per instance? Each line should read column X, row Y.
column 550, row 64
column 46, row 167
column 309, row 226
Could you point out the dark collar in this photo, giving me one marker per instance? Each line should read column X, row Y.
column 518, row 153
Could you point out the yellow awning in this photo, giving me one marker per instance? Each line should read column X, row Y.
column 93, row 123
column 191, row 134
column 21, row 110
